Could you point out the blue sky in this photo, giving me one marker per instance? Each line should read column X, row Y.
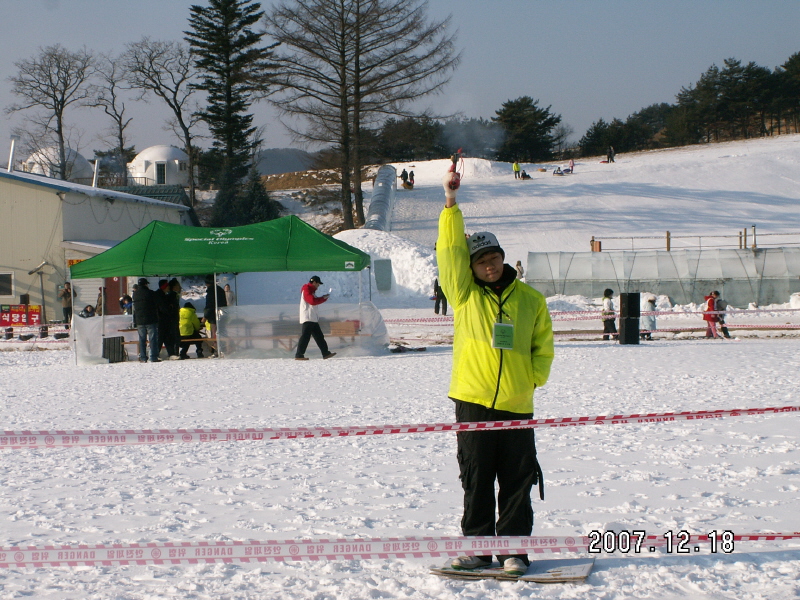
column 586, row 59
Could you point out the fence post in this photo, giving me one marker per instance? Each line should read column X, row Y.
column 669, row 244
column 744, row 232
column 740, row 240
column 754, row 238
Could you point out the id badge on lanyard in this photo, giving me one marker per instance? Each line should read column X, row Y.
column 503, row 336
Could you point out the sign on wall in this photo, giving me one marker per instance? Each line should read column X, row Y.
column 20, row 315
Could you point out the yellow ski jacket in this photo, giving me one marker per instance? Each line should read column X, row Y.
column 499, row 379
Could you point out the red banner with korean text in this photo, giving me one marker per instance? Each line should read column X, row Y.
column 20, row 315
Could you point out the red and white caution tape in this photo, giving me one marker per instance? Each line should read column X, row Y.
column 16, row 440
column 595, row 315
column 190, row 553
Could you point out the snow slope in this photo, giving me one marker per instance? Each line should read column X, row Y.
column 735, row 473
column 715, row 189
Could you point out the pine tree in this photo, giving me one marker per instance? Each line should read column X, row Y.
column 528, row 130
column 234, row 68
column 254, row 204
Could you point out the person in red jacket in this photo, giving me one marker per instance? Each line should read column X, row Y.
column 309, row 319
column 709, row 317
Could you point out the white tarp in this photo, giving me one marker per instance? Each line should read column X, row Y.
column 272, row 330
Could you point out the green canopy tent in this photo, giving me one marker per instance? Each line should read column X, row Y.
column 285, row 244
column 161, row 249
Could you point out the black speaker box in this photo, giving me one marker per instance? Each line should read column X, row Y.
column 114, row 349
column 629, row 314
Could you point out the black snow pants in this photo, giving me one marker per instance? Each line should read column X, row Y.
column 311, row 329
column 509, row 456
column 609, row 326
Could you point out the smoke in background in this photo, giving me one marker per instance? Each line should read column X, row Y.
column 477, row 138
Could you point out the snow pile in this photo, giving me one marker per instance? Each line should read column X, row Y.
column 413, row 265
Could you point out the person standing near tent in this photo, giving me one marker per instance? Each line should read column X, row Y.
column 309, row 320
column 502, row 351
column 215, row 299
column 65, row 295
column 173, row 339
column 162, row 306
column 520, row 270
column 230, row 297
column 145, row 315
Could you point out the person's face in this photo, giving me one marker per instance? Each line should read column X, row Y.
column 489, row 267
column 315, row 285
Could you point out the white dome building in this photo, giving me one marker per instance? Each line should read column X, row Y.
column 160, row 165
column 45, row 162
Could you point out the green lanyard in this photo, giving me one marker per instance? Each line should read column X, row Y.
column 502, row 333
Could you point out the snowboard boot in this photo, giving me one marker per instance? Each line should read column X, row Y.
column 471, row 562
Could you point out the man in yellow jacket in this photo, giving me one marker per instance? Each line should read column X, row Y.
column 502, row 351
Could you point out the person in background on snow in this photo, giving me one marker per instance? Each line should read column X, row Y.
column 709, row 317
column 571, row 166
column 502, row 351
column 520, row 270
column 721, row 306
column 411, row 178
column 404, row 176
column 516, row 168
column 439, row 298
column 309, row 319
column 609, row 315
column 189, row 329
column 648, row 321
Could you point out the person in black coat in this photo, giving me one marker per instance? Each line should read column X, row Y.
column 215, row 299
column 162, row 305
column 172, row 309
column 145, row 314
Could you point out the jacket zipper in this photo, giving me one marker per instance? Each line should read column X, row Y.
column 500, row 303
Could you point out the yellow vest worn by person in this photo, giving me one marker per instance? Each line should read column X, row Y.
column 499, row 379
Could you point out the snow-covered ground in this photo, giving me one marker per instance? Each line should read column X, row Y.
column 738, row 473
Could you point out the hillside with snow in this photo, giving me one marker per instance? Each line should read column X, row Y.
column 716, row 189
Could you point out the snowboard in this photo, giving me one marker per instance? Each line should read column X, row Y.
column 559, row 570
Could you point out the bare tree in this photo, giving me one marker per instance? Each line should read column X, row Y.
column 166, row 70
column 561, row 134
column 349, row 64
column 113, row 79
column 52, row 82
